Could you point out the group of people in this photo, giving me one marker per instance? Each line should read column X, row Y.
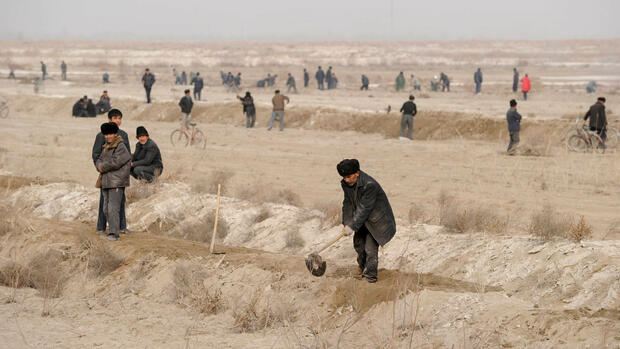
column 84, row 107
column 324, row 77
column 115, row 163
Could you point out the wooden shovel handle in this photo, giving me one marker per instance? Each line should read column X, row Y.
column 331, row 242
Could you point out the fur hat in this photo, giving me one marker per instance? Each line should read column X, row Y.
column 348, row 167
column 114, row 112
column 108, row 128
column 141, row 131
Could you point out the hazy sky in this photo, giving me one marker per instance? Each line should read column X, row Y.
column 309, row 20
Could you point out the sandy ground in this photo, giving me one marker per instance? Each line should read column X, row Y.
column 437, row 289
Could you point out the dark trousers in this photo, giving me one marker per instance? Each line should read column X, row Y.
column 148, row 94
column 514, row 142
column 250, row 118
column 145, row 172
column 367, row 250
column 364, row 87
column 525, row 95
column 306, row 83
column 321, row 86
column 101, row 219
column 515, row 86
column 602, row 133
column 197, row 94
column 478, row 87
column 112, row 204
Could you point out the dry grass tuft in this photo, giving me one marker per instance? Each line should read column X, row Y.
column 254, row 315
column 140, row 190
column 14, row 275
column 190, row 290
column 43, row 273
column 581, row 230
column 331, row 214
column 262, row 215
column 417, row 214
column 293, row 239
column 548, row 224
column 209, row 184
column 261, row 193
column 201, row 229
column 99, row 258
column 457, row 217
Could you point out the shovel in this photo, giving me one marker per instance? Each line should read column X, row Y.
column 315, row 264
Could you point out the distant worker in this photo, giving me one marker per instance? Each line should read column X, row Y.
column 148, row 79
column 183, row 78
column 37, row 84
column 365, row 83
column 63, row 71
column 515, row 80
column 271, row 81
column 79, row 108
column 198, row 85
column 434, row 84
column 598, row 119
column 478, row 80
column 290, row 82
column 306, row 78
column 175, row 76
column 223, row 76
column 415, row 83
column 186, row 105
column 43, row 71
column 278, row 101
column 248, row 109
column 146, row 163
column 106, row 78
column 409, row 110
column 400, row 82
column 114, row 165
column 91, row 110
column 334, row 80
column 514, row 126
column 11, row 74
column 591, row 86
column 367, row 215
column 445, row 82
column 238, row 81
column 320, row 76
column 104, row 105
column 526, row 86
column 328, row 78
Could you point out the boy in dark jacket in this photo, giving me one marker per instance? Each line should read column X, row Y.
column 113, row 165
column 146, row 161
column 514, row 126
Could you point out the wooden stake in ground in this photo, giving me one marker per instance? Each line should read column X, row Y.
column 217, row 214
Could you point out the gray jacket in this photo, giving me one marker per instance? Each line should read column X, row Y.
column 366, row 204
column 478, row 77
column 114, row 164
column 147, row 154
column 148, row 80
column 514, row 120
column 100, row 142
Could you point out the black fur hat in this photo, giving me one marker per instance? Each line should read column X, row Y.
column 348, row 167
column 108, row 128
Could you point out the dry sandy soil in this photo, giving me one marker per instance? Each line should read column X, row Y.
column 464, row 270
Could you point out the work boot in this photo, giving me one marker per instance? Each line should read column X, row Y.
column 100, row 232
column 111, row 237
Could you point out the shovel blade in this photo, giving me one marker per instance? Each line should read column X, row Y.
column 316, row 265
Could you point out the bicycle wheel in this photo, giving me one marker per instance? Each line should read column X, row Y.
column 178, row 138
column 4, row 110
column 576, row 143
column 612, row 138
column 200, row 140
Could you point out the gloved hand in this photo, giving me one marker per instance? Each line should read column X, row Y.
column 347, row 230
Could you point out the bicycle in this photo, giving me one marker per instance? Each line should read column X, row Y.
column 4, row 109
column 585, row 140
column 610, row 143
column 196, row 137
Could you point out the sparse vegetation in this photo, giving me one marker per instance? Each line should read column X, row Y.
column 580, row 231
column 190, row 291
column 331, row 214
column 547, row 224
column 457, row 217
column 262, row 215
column 253, row 315
column 201, row 229
column 209, row 184
column 99, row 258
column 293, row 239
column 43, row 273
column 140, row 190
column 417, row 214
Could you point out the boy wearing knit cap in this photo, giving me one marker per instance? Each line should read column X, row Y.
column 146, row 162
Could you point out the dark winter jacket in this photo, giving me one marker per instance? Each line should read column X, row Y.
column 78, row 109
column 114, row 164
column 198, row 83
column 186, row 104
column 597, row 116
column 100, row 142
column 147, row 154
column 90, row 108
column 514, row 120
column 148, row 80
column 364, row 80
column 365, row 203
column 320, row 75
column 248, row 105
column 409, row 108
column 478, row 77
column 306, row 77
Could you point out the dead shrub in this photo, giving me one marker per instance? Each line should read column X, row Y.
column 287, row 197
column 417, row 214
column 253, row 315
column 46, row 274
column 99, row 258
column 209, row 184
column 331, row 214
column 14, row 275
column 262, row 215
column 581, row 230
column 201, row 229
column 293, row 239
column 548, row 224
column 140, row 190
column 261, row 193
column 190, row 291
column 457, row 217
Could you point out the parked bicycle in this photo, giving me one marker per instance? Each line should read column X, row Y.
column 4, row 109
column 196, row 137
column 578, row 138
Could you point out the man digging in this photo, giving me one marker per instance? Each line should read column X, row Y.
column 366, row 213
